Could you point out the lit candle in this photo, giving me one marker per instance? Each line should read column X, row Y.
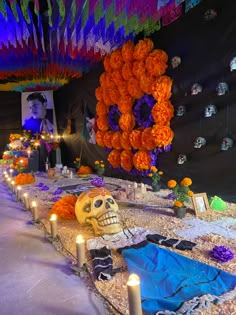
column 80, row 250
column 8, row 181
column 35, row 210
column 11, row 172
column 26, row 200
column 134, row 296
column 143, row 188
column 18, row 193
column 53, row 225
column 135, row 185
column 13, row 186
column 29, row 152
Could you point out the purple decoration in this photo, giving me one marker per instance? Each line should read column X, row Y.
column 39, row 185
column 55, row 198
column 44, row 188
column 143, row 111
column 221, row 254
column 171, row 196
column 97, row 182
column 113, row 118
column 58, row 191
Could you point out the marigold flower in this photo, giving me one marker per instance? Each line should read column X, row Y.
column 107, row 139
column 162, row 135
column 178, row 204
column 124, row 140
column 99, row 138
column 114, row 158
column 186, row 182
column 161, row 88
column 106, row 63
column 126, row 160
column 142, row 160
column 142, row 49
column 64, row 207
column 153, row 169
column 102, row 123
column 116, row 59
column 190, row 193
column 160, row 173
column 171, row 183
column 98, row 93
column 127, row 51
column 127, row 121
column 117, row 77
column 134, row 88
column 147, row 139
column 127, row 70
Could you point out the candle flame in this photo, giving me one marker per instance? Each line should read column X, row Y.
column 13, row 183
column 34, row 204
column 133, row 280
column 79, row 239
column 25, row 195
column 18, row 188
column 53, row 217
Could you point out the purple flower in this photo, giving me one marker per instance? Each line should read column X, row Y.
column 44, row 188
column 171, row 196
column 58, row 191
column 54, row 199
column 143, row 111
column 97, row 182
column 113, row 118
column 221, row 253
column 39, row 185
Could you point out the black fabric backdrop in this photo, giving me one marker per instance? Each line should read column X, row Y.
column 206, row 48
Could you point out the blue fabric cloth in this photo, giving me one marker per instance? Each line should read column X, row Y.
column 169, row 279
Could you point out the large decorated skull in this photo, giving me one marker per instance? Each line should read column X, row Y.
column 199, row 142
column 97, row 207
column 226, row 144
column 196, row 89
column 175, row 61
column 210, row 110
column 182, row 158
column 233, row 64
column 180, row 111
column 222, row 88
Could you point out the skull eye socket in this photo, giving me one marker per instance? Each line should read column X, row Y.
column 98, row 203
column 110, row 201
column 87, row 207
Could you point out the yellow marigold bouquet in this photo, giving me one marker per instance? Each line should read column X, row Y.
column 100, row 167
column 155, row 174
column 181, row 192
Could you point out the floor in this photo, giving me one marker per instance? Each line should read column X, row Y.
column 34, row 278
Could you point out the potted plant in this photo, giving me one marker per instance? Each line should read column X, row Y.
column 181, row 194
column 100, row 167
column 155, row 176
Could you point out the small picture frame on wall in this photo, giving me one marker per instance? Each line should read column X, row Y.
column 201, row 204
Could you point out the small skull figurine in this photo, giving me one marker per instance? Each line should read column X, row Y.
column 226, row 144
column 210, row 14
column 222, row 88
column 199, row 142
column 97, row 207
column 182, row 158
column 233, row 64
column 196, row 89
column 210, row 110
column 180, row 111
column 175, row 62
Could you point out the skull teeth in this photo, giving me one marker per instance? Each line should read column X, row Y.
column 108, row 218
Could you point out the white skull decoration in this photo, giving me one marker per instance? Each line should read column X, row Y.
column 196, row 89
column 199, row 142
column 97, row 207
column 180, row 111
column 226, row 144
column 233, row 64
column 210, row 110
column 182, row 158
column 222, row 88
column 175, row 61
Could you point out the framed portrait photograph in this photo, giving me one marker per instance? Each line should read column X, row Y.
column 38, row 114
column 201, row 204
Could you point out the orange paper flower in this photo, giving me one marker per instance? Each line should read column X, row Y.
column 162, row 112
column 116, row 140
column 146, row 82
column 117, row 77
column 125, row 104
column 147, row 139
column 127, row 70
column 134, row 88
column 99, row 138
column 116, row 59
column 127, row 121
column 162, row 135
column 161, row 88
column 106, row 97
column 101, row 108
column 127, row 51
column 135, row 138
column 114, row 95
column 139, row 68
column 124, row 140
column 126, row 160
column 123, row 88
column 107, row 139
column 142, row 160
column 102, row 123
column 142, row 49
column 114, row 158
column 64, row 207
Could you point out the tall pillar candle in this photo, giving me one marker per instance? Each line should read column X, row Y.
column 35, row 211
column 18, row 193
column 134, row 296
column 53, row 225
column 80, row 251
column 26, row 200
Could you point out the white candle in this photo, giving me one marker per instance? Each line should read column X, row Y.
column 53, row 225
column 80, row 250
column 8, row 181
column 134, row 296
column 26, row 200
column 29, row 152
column 18, row 193
column 143, row 188
column 13, row 186
column 35, row 210
column 135, row 185
column 11, row 172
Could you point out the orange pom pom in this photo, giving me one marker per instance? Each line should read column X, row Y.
column 116, row 140
column 127, row 121
column 127, row 51
column 127, row 70
column 114, row 158
column 102, row 123
column 98, row 93
column 147, row 139
column 139, row 68
column 135, row 138
column 134, row 88
column 116, row 59
column 126, row 160
column 162, row 135
column 101, row 109
column 142, row 49
column 124, row 140
column 142, row 160
column 125, row 104
column 107, row 139
column 99, row 138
